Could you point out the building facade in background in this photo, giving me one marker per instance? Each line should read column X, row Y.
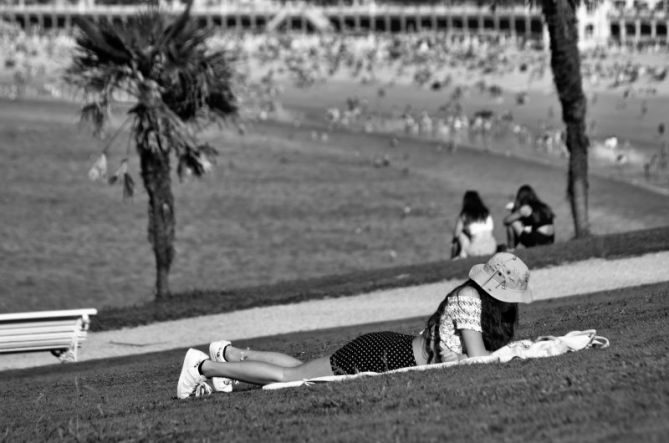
column 600, row 22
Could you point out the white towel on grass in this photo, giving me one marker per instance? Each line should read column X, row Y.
column 544, row 346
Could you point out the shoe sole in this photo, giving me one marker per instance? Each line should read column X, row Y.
column 184, row 369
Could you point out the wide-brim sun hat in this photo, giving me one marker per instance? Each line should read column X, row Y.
column 505, row 277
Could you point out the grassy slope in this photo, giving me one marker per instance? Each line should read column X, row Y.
column 280, row 207
column 617, row 394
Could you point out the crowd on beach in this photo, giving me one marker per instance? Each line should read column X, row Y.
column 310, row 58
column 32, row 62
column 502, row 68
column 505, row 70
column 420, row 58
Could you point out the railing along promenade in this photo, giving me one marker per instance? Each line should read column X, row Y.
column 625, row 25
column 462, row 18
column 266, row 9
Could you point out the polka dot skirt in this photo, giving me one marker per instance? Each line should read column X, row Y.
column 374, row 352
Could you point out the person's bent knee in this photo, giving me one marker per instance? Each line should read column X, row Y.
column 517, row 227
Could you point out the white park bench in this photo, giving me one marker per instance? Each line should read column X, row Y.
column 60, row 332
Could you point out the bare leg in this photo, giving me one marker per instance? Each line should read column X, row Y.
column 464, row 245
column 510, row 237
column 234, row 354
column 262, row 373
column 513, row 232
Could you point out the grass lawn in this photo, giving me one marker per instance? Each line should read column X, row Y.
column 279, row 207
column 616, row 394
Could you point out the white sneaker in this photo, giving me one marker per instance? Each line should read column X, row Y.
column 217, row 353
column 190, row 380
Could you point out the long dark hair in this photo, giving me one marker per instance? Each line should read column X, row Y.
column 473, row 208
column 498, row 322
column 540, row 210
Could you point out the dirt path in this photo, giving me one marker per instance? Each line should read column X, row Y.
column 559, row 281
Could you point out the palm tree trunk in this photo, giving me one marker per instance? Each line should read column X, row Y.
column 577, row 187
column 560, row 18
column 155, row 167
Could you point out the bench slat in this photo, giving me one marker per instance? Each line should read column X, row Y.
column 42, row 336
column 33, row 323
column 49, row 333
column 38, row 330
column 70, row 321
column 23, row 341
column 70, row 313
column 61, row 336
column 42, row 344
column 56, row 341
column 38, row 346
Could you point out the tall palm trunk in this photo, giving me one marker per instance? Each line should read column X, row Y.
column 155, row 167
column 560, row 18
column 577, row 188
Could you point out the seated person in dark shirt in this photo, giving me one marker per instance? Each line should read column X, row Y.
column 530, row 222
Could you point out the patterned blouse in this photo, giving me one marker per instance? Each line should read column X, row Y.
column 463, row 311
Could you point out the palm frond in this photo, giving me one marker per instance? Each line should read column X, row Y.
column 167, row 65
column 96, row 114
column 199, row 83
column 196, row 160
column 99, row 168
column 128, row 186
column 120, row 173
column 189, row 164
column 101, row 44
column 181, row 24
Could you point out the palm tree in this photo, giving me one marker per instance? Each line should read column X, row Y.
column 176, row 84
column 560, row 17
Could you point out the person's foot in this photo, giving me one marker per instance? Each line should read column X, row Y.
column 191, row 382
column 217, row 353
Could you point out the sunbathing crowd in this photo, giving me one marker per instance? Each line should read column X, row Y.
column 454, row 65
column 306, row 59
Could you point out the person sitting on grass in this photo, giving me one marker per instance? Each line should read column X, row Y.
column 474, row 319
column 472, row 235
column 530, row 222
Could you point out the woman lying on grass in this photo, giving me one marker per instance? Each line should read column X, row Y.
column 474, row 319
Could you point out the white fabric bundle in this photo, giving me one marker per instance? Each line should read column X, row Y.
column 544, row 346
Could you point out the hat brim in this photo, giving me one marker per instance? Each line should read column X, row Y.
column 484, row 279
